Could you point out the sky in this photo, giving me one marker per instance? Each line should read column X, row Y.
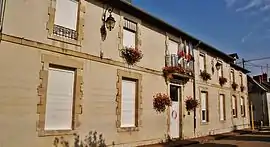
column 232, row 26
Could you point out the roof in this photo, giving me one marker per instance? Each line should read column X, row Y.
column 237, row 67
column 135, row 11
column 257, row 84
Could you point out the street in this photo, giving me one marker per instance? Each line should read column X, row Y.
column 259, row 139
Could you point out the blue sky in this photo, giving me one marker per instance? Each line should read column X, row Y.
column 241, row 26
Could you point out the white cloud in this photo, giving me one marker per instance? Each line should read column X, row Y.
column 246, row 37
column 251, row 4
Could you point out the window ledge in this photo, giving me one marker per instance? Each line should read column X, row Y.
column 204, row 123
column 65, row 40
column 44, row 133
column 127, row 129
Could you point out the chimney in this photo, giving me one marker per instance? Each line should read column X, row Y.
column 261, row 78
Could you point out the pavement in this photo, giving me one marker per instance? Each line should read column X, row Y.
column 241, row 138
column 252, row 139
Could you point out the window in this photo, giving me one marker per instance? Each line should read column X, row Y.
column 128, row 103
column 129, row 34
column 173, row 48
column 220, row 70
column 232, row 76
column 242, row 105
column 222, row 111
column 59, row 101
column 204, row 107
column 234, row 106
column 202, row 62
column 241, row 78
column 60, row 93
column 66, row 16
column 1, row 9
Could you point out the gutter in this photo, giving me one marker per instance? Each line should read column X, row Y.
column 194, row 92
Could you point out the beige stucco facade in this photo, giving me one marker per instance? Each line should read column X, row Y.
column 25, row 40
column 214, row 89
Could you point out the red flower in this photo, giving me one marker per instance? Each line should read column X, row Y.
column 131, row 55
column 161, row 101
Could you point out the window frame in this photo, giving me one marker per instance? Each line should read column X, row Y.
column 47, row 61
column 243, row 107
column 221, row 68
column 241, row 79
column 80, row 24
column 122, row 74
column 204, row 61
column 232, row 76
column 234, row 99
column 207, row 108
column 224, row 107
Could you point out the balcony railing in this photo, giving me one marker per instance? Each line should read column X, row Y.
column 174, row 60
column 65, row 32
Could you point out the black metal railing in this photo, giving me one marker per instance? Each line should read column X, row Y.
column 65, row 32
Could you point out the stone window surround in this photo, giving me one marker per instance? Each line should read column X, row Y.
column 236, row 110
column 204, row 89
column 80, row 23
column 244, row 106
column 48, row 60
column 224, row 105
column 138, row 41
column 134, row 76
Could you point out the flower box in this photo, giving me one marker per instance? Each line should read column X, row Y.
column 161, row 101
column 205, row 76
column 234, row 86
column 131, row 55
column 222, row 81
column 191, row 104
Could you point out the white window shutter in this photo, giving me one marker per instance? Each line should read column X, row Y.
column 66, row 13
column 220, row 71
column 129, row 38
column 128, row 103
column 233, row 102
column 242, row 101
column 173, row 47
column 232, row 76
column 221, row 105
column 59, row 101
column 203, row 101
column 201, row 62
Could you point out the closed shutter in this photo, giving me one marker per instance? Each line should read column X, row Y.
column 173, row 47
column 221, row 107
column 66, row 13
column 128, row 103
column 204, row 106
column 59, row 101
column 202, row 62
column 220, row 71
column 232, row 76
column 129, row 38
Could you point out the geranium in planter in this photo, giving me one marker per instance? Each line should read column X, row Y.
column 191, row 103
column 242, row 87
column 222, row 80
column 161, row 101
column 234, row 85
column 131, row 55
column 205, row 76
column 169, row 70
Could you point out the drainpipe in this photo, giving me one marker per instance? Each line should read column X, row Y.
column 194, row 89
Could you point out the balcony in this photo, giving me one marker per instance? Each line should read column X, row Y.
column 177, row 67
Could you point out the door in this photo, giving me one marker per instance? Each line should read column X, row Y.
column 175, row 93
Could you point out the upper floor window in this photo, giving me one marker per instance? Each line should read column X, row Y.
column 129, row 34
column 173, row 49
column 202, row 62
column 232, row 76
column 1, row 12
column 220, row 70
column 66, row 17
column 241, row 78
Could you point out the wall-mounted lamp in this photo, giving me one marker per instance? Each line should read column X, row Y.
column 109, row 21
